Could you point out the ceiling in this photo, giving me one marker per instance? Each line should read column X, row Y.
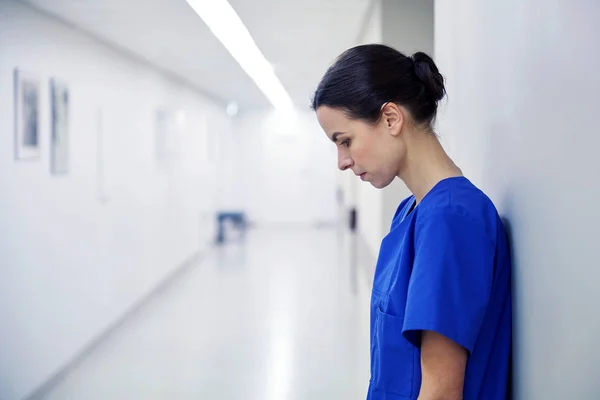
column 300, row 39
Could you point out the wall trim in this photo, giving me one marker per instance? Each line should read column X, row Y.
column 164, row 284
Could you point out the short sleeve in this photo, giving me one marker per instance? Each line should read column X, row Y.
column 451, row 279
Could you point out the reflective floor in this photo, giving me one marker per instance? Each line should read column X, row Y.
column 280, row 316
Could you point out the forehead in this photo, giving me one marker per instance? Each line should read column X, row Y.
column 333, row 120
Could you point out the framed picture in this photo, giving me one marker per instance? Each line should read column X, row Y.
column 59, row 139
column 27, row 115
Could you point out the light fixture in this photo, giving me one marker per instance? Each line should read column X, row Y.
column 227, row 26
column 232, row 109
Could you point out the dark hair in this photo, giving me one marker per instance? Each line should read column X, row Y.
column 365, row 77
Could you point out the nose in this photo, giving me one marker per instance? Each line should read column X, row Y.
column 344, row 161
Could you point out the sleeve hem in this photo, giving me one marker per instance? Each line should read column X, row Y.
column 412, row 326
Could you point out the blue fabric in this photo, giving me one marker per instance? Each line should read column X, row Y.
column 445, row 267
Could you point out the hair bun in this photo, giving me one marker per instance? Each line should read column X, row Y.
column 428, row 73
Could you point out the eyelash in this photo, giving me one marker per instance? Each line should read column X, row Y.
column 345, row 142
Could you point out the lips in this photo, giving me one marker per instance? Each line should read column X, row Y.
column 362, row 176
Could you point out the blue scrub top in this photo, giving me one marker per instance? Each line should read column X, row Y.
column 444, row 266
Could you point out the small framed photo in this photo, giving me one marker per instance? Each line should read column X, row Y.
column 59, row 116
column 27, row 115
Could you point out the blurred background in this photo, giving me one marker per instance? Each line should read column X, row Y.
column 173, row 224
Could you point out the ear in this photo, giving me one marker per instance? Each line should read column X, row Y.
column 393, row 118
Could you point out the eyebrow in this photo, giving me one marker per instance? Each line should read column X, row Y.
column 335, row 135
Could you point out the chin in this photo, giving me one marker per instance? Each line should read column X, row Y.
column 378, row 185
column 381, row 184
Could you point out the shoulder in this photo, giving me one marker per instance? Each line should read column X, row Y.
column 459, row 205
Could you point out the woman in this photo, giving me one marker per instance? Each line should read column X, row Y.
column 441, row 298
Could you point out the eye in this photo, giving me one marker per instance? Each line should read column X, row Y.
column 345, row 142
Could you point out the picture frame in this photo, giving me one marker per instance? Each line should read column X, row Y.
column 26, row 115
column 59, row 117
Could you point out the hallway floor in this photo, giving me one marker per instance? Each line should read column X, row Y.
column 281, row 316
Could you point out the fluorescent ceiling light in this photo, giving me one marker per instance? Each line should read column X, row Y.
column 232, row 109
column 227, row 26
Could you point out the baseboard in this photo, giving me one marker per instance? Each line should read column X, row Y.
column 293, row 225
column 43, row 389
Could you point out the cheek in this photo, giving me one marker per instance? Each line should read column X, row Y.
column 361, row 154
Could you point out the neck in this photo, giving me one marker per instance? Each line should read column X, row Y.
column 426, row 164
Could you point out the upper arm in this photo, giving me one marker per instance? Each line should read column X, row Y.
column 451, row 278
column 442, row 367
column 447, row 297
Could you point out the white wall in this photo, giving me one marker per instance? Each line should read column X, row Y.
column 369, row 208
column 369, row 201
column 406, row 25
column 521, row 121
column 281, row 169
column 70, row 264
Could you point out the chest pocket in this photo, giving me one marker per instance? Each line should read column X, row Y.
column 392, row 356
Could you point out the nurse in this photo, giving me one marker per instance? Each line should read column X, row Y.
column 441, row 298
